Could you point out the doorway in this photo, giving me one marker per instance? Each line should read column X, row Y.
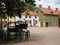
column 46, row 24
column 41, row 24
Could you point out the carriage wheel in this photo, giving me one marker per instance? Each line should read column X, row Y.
column 2, row 35
column 7, row 36
column 20, row 36
column 27, row 35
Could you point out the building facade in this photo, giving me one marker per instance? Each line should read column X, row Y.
column 48, row 17
column 31, row 18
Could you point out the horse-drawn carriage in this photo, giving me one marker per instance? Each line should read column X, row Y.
column 17, row 31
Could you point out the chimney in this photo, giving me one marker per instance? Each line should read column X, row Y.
column 40, row 6
column 48, row 7
column 56, row 9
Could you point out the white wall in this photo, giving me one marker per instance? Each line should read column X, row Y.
column 31, row 19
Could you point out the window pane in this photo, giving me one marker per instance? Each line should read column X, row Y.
column 25, row 16
column 35, row 16
column 29, row 16
column 30, row 22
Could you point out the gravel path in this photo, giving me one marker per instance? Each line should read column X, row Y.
column 41, row 36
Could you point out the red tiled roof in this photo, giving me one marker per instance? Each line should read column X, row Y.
column 49, row 11
column 57, row 12
column 29, row 12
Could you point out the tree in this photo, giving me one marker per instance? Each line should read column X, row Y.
column 13, row 8
column 16, row 7
column 30, row 4
column 2, row 13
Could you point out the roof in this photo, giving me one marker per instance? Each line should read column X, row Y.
column 29, row 13
column 49, row 11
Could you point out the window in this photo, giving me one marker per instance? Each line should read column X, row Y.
column 54, row 19
column 30, row 22
column 10, row 16
column 36, row 11
column 36, row 22
column 19, row 16
column 35, row 16
column 29, row 16
column 25, row 16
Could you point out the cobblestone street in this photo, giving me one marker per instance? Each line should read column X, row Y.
column 41, row 36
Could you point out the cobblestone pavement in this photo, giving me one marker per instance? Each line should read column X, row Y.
column 41, row 36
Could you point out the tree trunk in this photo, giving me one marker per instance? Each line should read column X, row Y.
column 1, row 24
column 8, row 21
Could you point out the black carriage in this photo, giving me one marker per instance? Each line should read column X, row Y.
column 19, row 31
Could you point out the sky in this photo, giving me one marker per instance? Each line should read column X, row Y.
column 45, row 3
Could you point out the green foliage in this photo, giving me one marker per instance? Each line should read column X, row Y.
column 30, row 2
column 19, row 5
column 30, row 7
column 2, row 14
